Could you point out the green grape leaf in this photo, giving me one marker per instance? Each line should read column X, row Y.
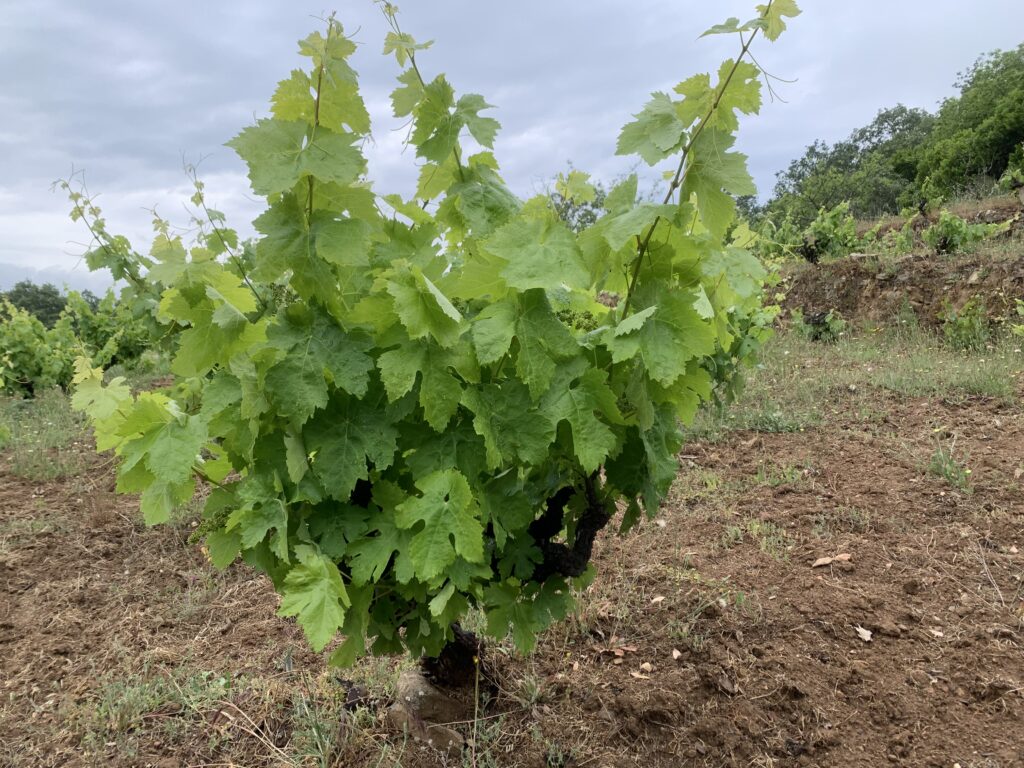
column 404, row 46
column 223, row 547
column 656, row 133
column 618, row 229
column 318, row 352
column 370, row 556
column 440, row 391
column 543, row 342
column 773, row 15
column 512, row 428
column 97, row 401
column 451, row 523
column 729, row 26
column 279, row 153
column 493, row 330
column 253, row 523
column 405, row 98
column 314, row 593
column 576, row 187
column 743, row 94
column 423, row 309
column 538, row 254
column 175, row 449
column 341, row 440
column 579, row 403
column 483, row 129
column 293, row 99
column 344, row 242
column 714, row 176
column 160, row 499
column 667, row 339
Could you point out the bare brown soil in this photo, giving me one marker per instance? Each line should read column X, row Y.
column 707, row 639
column 863, row 288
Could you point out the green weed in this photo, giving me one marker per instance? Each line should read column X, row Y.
column 42, row 437
column 944, row 464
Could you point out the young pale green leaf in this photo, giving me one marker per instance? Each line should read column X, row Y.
column 727, row 27
column 97, row 401
column 314, row 593
column 405, row 98
column 576, row 187
column 403, row 46
column 293, row 99
column 280, row 152
column 743, row 94
column 483, row 129
column 774, row 14
column 656, row 133
column 713, row 177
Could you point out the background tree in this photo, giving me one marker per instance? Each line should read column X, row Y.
column 907, row 156
column 44, row 301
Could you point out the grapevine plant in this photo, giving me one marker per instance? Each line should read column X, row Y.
column 407, row 408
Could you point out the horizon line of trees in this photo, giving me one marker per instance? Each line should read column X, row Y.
column 910, row 158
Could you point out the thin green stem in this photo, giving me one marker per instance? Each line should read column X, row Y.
column 393, row 21
column 680, row 175
column 316, row 117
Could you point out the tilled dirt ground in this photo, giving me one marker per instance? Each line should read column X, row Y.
column 709, row 637
column 863, row 288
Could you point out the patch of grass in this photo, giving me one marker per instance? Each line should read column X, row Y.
column 732, row 536
column 944, row 464
column 771, row 538
column 42, row 438
column 120, row 708
column 17, row 531
column 774, row 475
column 712, row 596
column 842, row 520
column 797, row 381
column 316, row 738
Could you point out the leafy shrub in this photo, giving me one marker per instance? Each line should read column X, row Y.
column 833, row 233
column 951, row 234
column 33, row 357
column 826, row 327
column 777, row 242
column 1017, row 329
column 966, row 328
column 399, row 424
column 107, row 328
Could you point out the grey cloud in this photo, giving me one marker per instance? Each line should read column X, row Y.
column 128, row 90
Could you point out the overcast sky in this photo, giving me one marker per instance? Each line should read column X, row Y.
column 128, row 91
